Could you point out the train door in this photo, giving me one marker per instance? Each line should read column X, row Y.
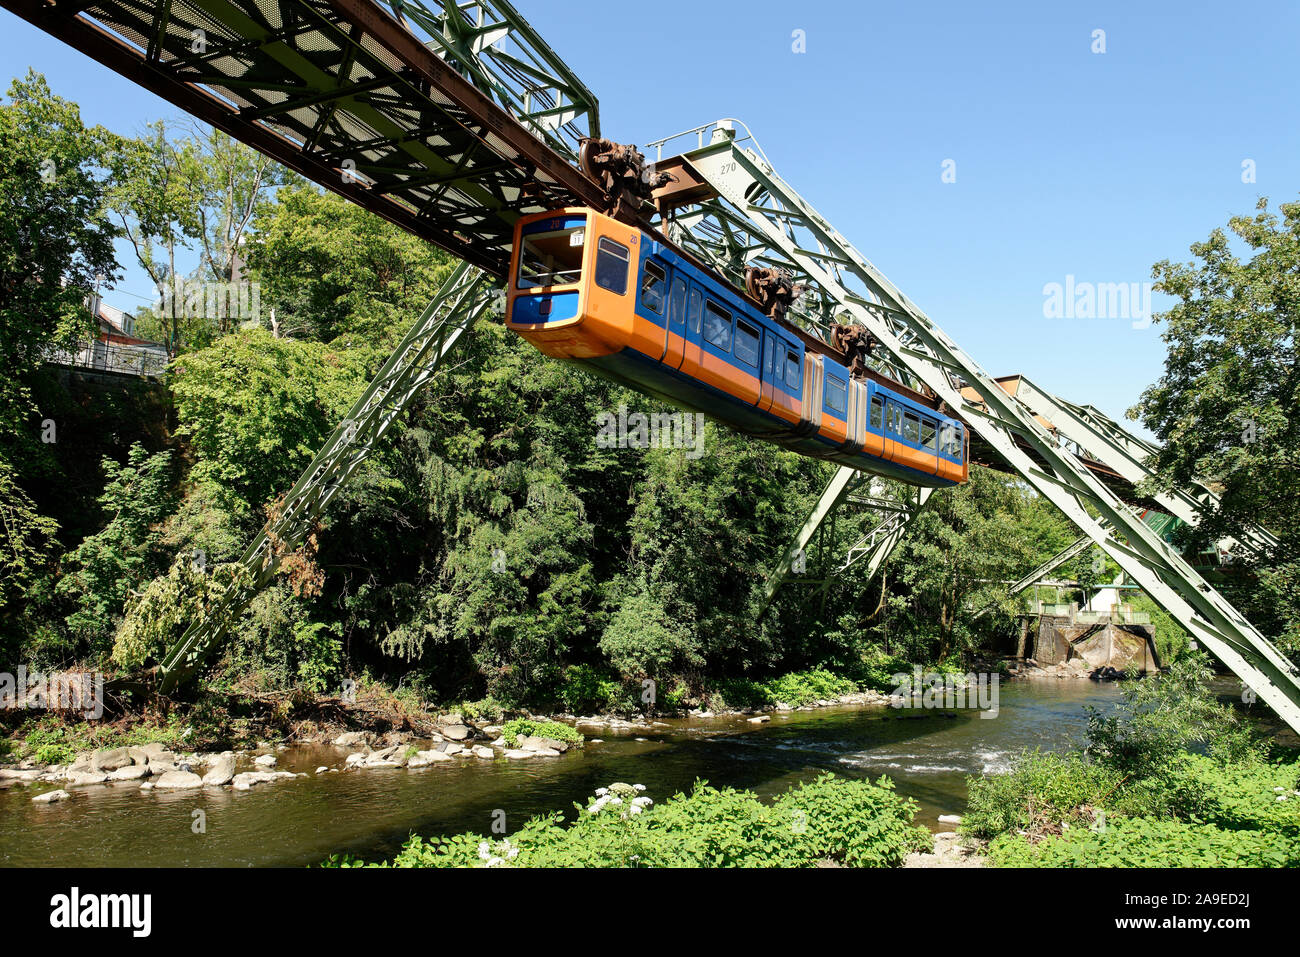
column 771, row 369
column 893, row 430
column 692, row 350
column 675, row 335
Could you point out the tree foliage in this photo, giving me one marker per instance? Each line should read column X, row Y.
column 1226, row 406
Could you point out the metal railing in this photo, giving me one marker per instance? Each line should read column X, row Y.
column 109, row 357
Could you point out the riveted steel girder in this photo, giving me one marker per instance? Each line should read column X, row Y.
column 452, row 121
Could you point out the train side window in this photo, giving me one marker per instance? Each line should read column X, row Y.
column 677, row 310
column 929, row 433
column 693, row 313
column 769, row 355
column 911, row 428
column 611, row 266
column 792, row 370
column 717, row 325
column 653, row 284
column 836, row 395
column 746, row 344
column 877, row 412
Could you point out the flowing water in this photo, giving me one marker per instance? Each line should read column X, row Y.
column 370, row 813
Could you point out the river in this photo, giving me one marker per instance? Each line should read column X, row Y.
column 370, row 813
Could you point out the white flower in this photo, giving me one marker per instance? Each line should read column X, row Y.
column 514, row 852
column 642, row 802
column 635, row 809
column 639, row 787
column 601, row 792
column 484, row 851
column 495, row 862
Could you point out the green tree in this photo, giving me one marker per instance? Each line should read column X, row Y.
column 55, row 239
column 330, row 268
column 100, row 573
column 1226, row 406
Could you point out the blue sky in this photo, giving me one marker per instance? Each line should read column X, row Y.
column 1067, row 162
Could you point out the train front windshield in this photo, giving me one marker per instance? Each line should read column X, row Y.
column 551, row 252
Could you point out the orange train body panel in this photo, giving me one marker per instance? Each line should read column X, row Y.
column 588, row 289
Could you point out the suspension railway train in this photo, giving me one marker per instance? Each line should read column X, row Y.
column 612, row 298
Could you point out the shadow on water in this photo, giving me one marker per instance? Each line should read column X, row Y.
column 370, row 813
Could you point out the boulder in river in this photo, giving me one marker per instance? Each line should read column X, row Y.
column 352, row 739
column 82, row 778
column 111, row 759
column 265, row 760
column 221, row 771
column 455, row 732
column 432, row 756
column 132, row 772
column 483, row 751
column 246, row 780
column 178, row 781
column 49, row 797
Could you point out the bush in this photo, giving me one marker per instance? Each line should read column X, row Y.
column 851, row 822
column 1149, row 842
column 512, row 731
column 802, row 687
column 585, row 689
column 1039, row 793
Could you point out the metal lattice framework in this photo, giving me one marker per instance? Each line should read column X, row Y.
column 794, row 235
column 452, row 121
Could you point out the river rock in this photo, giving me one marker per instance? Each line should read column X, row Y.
column 245, row 781
column 519, row 754
column 352, row 739
column 84, row 761
column 221, row 772
column 433, row 756
column 393, row 757
column 49, row 797
column 265, row 760
column 546, row 753
column 132, row 772
column 111, row 759
column 82, row 778
column 455, row 732
column 451, row 719
column 19, row 774
column 492, row 730
column 482, row 751
column 179, row 781
column 761, row 719
column 949, row 818
column 356, row 759
column 322, row 769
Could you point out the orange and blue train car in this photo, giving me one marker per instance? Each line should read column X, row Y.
column 588, row 289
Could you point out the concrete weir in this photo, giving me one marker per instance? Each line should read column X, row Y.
column 1099, row 644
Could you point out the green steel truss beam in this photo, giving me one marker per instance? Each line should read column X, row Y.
column 1109, row 443
column 464, row 298
column 797, row 236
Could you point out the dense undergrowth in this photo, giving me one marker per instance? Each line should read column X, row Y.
column 1172, row 778
column 830, row 820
